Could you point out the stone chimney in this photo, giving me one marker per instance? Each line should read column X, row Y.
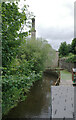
column 33, row 31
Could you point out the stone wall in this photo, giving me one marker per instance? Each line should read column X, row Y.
column 66, row 65
column 55, row 61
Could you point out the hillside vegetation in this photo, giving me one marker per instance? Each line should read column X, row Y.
column 23, row 59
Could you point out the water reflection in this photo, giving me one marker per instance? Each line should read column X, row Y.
column 38, row 102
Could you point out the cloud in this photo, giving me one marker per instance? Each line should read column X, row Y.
column 54, row 20
column 56, row 35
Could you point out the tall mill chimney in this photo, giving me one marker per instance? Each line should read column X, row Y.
column 33, row 31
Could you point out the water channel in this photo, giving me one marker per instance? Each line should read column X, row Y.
column 38, row 102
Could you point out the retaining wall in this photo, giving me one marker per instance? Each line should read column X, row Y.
column 66, row 65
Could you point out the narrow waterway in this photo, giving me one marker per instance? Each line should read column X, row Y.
column 38, row 102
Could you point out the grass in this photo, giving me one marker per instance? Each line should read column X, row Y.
column 65, row 75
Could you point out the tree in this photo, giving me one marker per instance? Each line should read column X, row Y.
column 69, row 48
column 63, row 50
column 37, row 52
column 73, row 45
column 12, row 21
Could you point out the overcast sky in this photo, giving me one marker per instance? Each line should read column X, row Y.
column 54, row 20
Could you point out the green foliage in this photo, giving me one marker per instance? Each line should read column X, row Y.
column 24, row 59
column 63, row 50
column 15, row 89
column 36, row 52
column 24, row 70
column 69, row 47
column 68, row 51
column 12, row 21
column 73, row 45
column 71, row 58
column 12, row 35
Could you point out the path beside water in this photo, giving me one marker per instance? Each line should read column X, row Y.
column 63, row 100
column 66, row 78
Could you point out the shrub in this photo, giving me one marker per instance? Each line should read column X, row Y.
column 71, row 58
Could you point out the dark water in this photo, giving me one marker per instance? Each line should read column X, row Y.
column 38, row 102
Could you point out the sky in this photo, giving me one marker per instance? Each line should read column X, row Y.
column 54, row 20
